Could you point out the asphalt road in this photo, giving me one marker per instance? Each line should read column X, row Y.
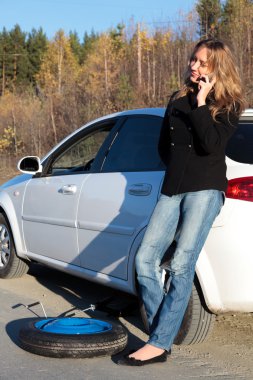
column 59, row 293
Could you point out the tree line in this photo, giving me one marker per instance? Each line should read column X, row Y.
column 51, row 87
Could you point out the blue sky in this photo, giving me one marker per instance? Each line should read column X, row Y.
column 85, row 15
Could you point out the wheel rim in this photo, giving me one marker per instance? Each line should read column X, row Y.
column 73, row 326
column 4, row 246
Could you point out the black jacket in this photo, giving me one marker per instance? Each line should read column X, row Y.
column 192, row 146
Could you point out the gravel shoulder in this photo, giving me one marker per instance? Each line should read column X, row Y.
column 227, row 354
column 231, row 343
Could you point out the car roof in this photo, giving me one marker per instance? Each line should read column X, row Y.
column 147, row 111
column 247, row 114
column 138, row 111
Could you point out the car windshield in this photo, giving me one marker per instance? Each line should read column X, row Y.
column 240, row 146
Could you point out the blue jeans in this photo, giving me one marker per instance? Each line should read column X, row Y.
column 186, row 219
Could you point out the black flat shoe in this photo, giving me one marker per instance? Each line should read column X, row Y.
column 126, row 360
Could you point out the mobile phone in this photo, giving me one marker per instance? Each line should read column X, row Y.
column 210, row 76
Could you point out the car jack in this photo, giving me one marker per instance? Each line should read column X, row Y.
column 32, row 305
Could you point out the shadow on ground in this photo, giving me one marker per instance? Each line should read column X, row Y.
column 110, row 304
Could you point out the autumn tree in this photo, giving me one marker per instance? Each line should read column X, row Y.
column 10, row 140
column 57, row 79
column 58, row 66
column 5, row 59
column 237, row 29
column 102, row 70
column 209, row 12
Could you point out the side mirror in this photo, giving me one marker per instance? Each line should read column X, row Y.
column 30, row 165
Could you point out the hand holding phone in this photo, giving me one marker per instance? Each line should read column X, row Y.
column 206, row 83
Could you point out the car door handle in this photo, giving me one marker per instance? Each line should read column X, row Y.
column 68, row 189
column 142, row 189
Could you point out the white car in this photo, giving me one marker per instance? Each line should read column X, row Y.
column 84, row 208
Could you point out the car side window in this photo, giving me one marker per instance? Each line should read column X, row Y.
column 240, row 145
column 79, row 156
column 136, row 146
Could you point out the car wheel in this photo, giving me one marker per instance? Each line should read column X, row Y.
column 197, row 322
column 72, row 337
column 10, row 264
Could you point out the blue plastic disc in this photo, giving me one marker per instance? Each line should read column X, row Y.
column 74, row 326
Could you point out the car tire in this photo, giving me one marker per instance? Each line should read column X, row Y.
column 197, row 323
column 72, row 342
column 11, row 266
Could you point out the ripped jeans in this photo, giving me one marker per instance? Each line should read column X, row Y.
column 187, row 219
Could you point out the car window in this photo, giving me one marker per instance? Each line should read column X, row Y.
column 135, row 147
column 240, row 146
column 80, row 155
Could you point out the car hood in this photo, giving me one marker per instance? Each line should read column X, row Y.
column 16, row 181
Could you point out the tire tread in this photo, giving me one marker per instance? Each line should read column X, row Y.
column 78, row 346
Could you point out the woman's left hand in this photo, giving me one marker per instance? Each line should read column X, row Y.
column 205, row 85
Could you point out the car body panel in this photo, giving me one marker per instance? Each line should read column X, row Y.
column 11, row 194
column 49, row 216
column 108, row 225
column 229, row 265
column 225, row 266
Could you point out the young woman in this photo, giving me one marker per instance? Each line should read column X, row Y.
column 199, row 120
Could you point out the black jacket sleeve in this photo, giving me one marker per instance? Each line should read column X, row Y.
column 212, row 135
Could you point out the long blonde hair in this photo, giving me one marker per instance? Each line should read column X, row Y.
column 226, row 94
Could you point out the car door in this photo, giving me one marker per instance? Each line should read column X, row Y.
column 51, row 200
column 116, row 204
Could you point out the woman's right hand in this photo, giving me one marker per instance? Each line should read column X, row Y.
column 205, row 85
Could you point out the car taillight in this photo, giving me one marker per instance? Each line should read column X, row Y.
column 240, row 188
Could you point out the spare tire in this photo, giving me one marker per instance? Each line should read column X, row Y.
column 72, row 337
